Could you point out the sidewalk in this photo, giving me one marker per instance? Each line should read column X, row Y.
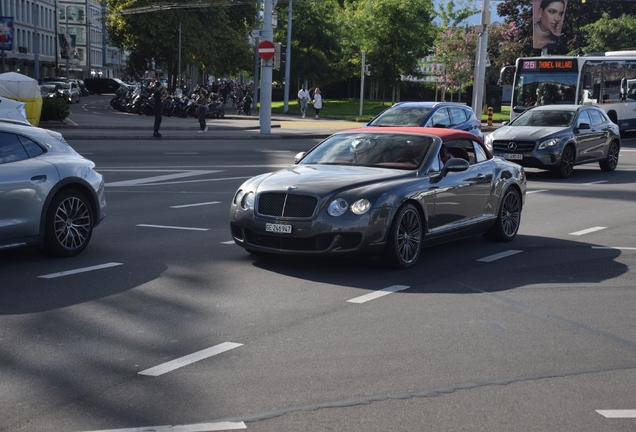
column 111, row 124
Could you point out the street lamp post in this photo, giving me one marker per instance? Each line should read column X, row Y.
column 36, row 42
column 68, row 52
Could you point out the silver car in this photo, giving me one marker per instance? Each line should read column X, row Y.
column 558, row 137
column 50, row 196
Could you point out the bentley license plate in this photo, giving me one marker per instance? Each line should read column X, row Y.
column 278, row 228
column 513, row 156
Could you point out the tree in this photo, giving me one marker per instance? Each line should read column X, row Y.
column 453, row 15
column 455, row 49
column 396, row 34
column 577, row 16
column 317, row 33
column 213, row 39
column 610, row 34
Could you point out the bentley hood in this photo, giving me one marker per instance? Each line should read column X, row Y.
column 321, row 179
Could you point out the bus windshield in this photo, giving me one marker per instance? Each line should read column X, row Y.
column 543, row 88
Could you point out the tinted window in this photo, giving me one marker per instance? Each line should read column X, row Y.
column 584, row 117
column 458, row 115
column 11, row 149
column 401, row 116
column 31, row 147
column 597, row 118
column 439, row 118
column 480, row 154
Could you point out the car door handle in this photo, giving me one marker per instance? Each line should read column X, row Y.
column 38, row 178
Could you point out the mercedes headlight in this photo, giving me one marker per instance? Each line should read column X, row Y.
column 549, row 143
column 488, row 141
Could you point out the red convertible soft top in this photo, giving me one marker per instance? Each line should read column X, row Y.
column 444, row 134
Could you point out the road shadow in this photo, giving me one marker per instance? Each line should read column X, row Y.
column 543, row 260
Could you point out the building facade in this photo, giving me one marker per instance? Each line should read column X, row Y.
column 33, row 30
column 82, row 23
column 48, row 35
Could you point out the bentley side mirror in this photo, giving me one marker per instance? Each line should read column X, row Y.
column 298, row 157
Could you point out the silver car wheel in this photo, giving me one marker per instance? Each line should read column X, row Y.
column 69, row 225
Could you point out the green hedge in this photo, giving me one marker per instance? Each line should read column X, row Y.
column 54, row 109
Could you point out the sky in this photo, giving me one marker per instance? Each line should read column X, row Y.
column 475, row 19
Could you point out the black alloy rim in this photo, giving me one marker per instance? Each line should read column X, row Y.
column 409, row 236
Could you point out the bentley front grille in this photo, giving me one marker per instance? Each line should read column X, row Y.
column 286, row 205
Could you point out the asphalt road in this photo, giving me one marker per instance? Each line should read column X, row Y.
column 163, row 321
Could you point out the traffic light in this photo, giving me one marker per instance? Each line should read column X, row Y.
column 367, row 69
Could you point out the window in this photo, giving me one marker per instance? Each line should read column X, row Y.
column 32, row 148
column 439, row 118
column 480, row 154
column 597, row 118
column 458, row 116
column 584, row 117
column 11, row 149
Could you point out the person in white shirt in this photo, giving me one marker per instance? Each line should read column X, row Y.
column 303, row 97
column 317, row 101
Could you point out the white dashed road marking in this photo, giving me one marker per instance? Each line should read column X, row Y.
column 196, row 205
column 596, row 182
column 587, row 231
column 537, row 191
column 200, row 427
column 154, row 180
column 189, row 359
column 378, row 294
column 500, row 255
column 173, row 227
column 614, row 247
column 617, row 413
column 228, row 242
column 80, row 270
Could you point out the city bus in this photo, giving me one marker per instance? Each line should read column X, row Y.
column 607, row 80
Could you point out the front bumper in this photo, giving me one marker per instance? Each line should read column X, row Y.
column 325, row 235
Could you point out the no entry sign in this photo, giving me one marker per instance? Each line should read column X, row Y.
column 266, row 50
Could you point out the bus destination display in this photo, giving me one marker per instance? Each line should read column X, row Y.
column 549, row 65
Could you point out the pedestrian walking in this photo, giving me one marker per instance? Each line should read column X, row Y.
column 202, row 103
column 158, row 97
column 317, row 101
column 303, row 98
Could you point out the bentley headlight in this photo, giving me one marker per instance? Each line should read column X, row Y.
column 549, row 143
column 337, row 207
column 247, row 203
column 361, row 206
column 239, row 197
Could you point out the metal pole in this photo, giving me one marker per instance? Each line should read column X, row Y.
column 256, row 70
column 89, row 63
column 288, row 58
column 68, row 53
column 1, row 14
column 265, row 113
column 36, row 42
column 480, row 60
column 364, row 57
column 179, row 72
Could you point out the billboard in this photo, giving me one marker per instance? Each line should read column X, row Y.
column 67, row 46
column 6, row 33
column 548, row 16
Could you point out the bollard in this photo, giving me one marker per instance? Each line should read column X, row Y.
column 489, row 116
